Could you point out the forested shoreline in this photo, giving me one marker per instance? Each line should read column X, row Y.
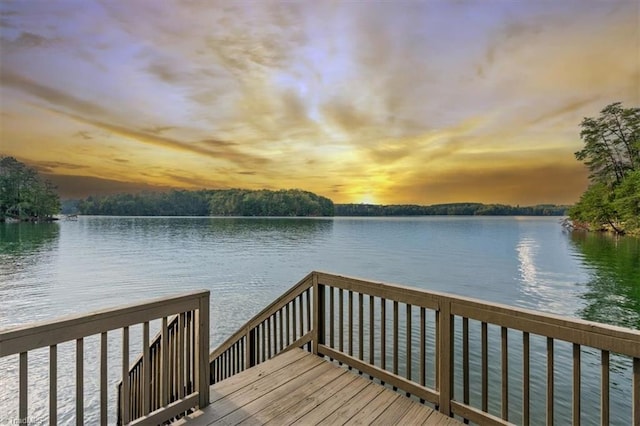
column 292, row 202
column 223, row 202
column 452, row 209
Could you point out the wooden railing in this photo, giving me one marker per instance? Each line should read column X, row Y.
column 181, row 378
column 151, row 390
column 284, row 324
column 443, row 349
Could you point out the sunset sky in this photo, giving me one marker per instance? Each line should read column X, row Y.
column 383, row 102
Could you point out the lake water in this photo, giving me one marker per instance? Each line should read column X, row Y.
column 70, row 267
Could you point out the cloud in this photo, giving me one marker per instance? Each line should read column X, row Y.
column 225, row 154
column 50, row 95
column 84, row 135
column 27, row 40
column 78, row 186
column 51, row 166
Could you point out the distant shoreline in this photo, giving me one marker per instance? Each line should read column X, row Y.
column 282, row 203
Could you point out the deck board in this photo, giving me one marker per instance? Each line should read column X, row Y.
column 300, row 388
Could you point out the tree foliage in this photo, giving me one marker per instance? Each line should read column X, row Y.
column 229, row 202
column 23, row 194
column 612, row 154
column 454, row 209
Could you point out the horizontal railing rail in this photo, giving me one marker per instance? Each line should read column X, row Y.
column 465, row 357
column 21, row 340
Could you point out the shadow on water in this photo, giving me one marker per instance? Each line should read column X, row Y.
column 19, row 239
column 613, row 294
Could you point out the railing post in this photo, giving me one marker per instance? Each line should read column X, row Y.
column 445, row 357
column 250, row 359
column 318, row 313
column 203, row 351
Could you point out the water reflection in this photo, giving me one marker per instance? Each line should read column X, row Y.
column 613, row 286
column 18, row 239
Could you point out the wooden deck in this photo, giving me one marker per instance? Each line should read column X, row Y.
column 298, row 387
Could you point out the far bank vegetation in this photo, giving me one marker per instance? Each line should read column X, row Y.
column 223, row 202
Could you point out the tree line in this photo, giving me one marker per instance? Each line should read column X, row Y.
column 223, row 202
column 612, row 154
column 24, row 196
column 453, row 209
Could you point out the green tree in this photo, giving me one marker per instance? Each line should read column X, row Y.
column 23, row 194
column 611, row 143
column 612, row 154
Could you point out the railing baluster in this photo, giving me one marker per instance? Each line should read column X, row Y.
column 188, row 355
column 383, row 333
column 301, row 315
column 446, row 361
column 525, row 379
column 23, row 409
column 294, row 320
column 341, row 318
column 436, row 349
column 465, row 362
column 171, row 345
column 423, row 358
column 408, row 343
column 268, row 324
column 80, row 381
column 260, row 335
column 371, row 331
column 550, row 381
column 125, row 375
column 203, row 350
column 360, row 326
column 635, row 392
column 350, row 324
column 281, row 329
column 164, row 342
column 576, row 385
column 286, row 318
column 331, row 318
column 395, row 338
column 181, row 375
column 485, row 367
column 146, row 370
column 104, row 368
column 53, row 385
column 604, row 389
column 505, row 373
column 308, row 299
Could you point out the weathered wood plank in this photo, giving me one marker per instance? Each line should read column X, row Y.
column 308, row 399
column 286, row 400
column 393, row 415
column 373, row 409
column 333, row 402
column 249, row 376
column 353, row 406
column 417, row 414
column 232, row 409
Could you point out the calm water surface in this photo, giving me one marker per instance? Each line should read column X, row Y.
column 49, row 270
